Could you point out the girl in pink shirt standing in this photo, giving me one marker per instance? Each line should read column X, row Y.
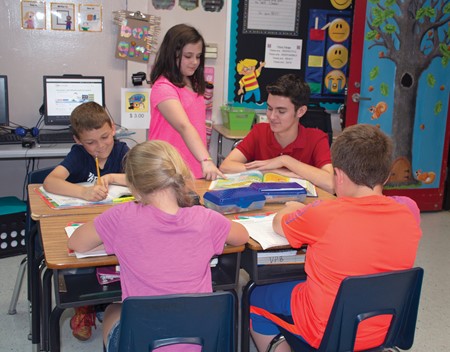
column 176, row 102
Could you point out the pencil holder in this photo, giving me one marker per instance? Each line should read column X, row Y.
column 12, row 226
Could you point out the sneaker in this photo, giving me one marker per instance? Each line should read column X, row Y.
column 82, row 322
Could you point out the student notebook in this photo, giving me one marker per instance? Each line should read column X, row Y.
column 116, row 194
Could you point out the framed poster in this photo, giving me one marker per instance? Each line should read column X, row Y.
column 90, row 18
column 33, row 14
column 63, row 16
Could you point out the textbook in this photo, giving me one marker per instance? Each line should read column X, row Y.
column 116, row 194
column 70, row 229
column 260, row 229
column 290, row 256
column 246, row 178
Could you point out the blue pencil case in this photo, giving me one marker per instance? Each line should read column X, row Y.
column 280, row 192
column 234, row 200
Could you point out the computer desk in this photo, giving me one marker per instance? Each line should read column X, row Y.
column 225, row 274
column 16, row 151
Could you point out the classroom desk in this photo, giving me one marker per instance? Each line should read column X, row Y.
column 39, row 210
column 234, row 135
column 83, row 289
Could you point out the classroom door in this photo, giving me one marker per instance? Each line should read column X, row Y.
column 399, row 80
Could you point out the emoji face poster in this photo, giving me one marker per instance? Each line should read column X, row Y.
column 327, row 53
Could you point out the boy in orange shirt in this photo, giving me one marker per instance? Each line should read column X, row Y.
column 361, row 232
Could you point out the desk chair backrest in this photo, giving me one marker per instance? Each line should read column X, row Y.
column 361, row 297
column 147, row 323
column 317, row 117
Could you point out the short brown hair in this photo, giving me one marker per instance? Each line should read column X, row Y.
column 154, row 165
column 293, row 87
column 88, row 116
column 364, row 153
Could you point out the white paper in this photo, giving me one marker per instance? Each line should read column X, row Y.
column 92, row 253
column 283, row 53
column 272, row 15
column 260, row 229
column 135, row 108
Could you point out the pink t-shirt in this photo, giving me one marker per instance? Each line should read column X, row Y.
column 160, row 253
column 194, row 106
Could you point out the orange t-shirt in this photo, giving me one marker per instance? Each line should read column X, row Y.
column 347, row 237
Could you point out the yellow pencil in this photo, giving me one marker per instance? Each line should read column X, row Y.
column 99, row 181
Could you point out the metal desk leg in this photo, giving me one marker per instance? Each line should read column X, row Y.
column 219, row 148
column 245, row 315
column 46, row 307
column 34, row 281
column 55, row 338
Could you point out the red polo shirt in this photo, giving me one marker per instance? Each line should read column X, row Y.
column 311, row 146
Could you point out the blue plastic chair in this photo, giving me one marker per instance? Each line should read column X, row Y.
column 360, row 297
column 206, row 319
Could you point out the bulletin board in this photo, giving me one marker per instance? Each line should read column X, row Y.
column 269, row 39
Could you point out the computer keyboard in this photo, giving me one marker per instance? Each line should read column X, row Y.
column 10, row 138
column 51, row 137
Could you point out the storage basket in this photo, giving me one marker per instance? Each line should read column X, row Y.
column 237, row 118
column 12, row 226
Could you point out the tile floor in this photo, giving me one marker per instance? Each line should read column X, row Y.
column 432, row 326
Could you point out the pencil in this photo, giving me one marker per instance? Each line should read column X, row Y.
column 99, row 181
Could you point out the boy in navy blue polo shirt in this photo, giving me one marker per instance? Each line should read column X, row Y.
column 96, row 151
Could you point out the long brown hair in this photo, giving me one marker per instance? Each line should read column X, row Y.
column 168, row 58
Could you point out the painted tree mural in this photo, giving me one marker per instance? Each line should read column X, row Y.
column 410, row 33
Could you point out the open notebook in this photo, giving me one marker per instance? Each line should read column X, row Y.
column 116, row 194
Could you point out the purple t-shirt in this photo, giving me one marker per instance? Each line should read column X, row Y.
column 160, row 253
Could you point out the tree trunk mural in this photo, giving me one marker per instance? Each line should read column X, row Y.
column 410, row 33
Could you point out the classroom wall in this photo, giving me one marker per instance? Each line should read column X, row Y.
column 27, row 55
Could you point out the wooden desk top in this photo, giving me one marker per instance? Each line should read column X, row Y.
column 54, row 240
column 202, row 187
column 230, row 134
column 52, row 223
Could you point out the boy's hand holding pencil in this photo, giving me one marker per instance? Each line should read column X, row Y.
column 97, row 192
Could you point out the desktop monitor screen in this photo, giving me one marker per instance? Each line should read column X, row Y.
column 62, row 94
column 4, row 111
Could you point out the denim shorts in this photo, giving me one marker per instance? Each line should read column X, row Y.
column 112, row 343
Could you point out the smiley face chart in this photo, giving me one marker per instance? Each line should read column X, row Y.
column 328, row 50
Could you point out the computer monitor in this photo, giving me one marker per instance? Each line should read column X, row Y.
column 4, row 109
column 62, row 94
